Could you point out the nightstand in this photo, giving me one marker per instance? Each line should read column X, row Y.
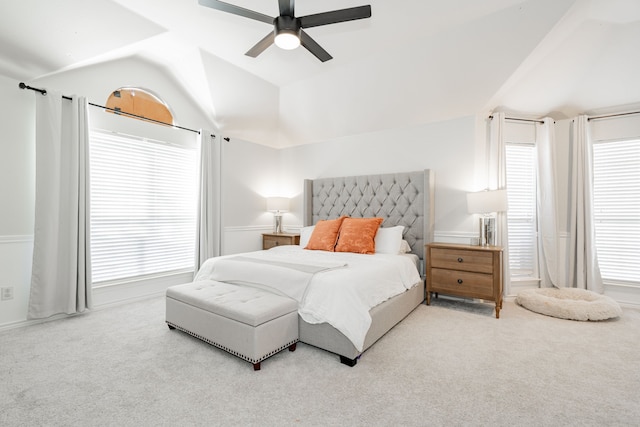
column 465, row 271
column 269, row 240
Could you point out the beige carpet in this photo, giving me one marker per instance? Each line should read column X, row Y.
column 447, row 364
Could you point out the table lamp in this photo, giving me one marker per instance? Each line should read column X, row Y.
column 277, row 205
column 486, row 203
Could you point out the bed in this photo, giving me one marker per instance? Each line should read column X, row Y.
column 399, row 199
column 406, row 199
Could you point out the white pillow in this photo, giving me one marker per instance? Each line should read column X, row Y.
column 305, row 235
column 405, row 248
column 388, row 240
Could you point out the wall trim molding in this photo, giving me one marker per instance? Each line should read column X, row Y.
column 27, row 238
column 448, row 236
column 439, row 236
column 261, row 228
column 238, row 228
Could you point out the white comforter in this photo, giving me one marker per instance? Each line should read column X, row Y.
column 333, row 287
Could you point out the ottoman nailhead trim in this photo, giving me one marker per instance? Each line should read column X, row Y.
column 228, row 350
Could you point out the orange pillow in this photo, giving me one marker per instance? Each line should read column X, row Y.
column 358, row 235
column 325, row 234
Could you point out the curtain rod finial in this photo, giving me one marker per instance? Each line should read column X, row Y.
column 21, row 85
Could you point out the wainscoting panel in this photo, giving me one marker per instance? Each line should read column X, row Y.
column 236, row 240
column 16, row 253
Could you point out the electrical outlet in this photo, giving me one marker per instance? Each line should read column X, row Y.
column 7, row 293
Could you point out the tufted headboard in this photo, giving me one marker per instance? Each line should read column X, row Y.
column 404, row 198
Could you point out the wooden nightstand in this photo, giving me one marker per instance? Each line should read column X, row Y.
column 269, row 240
column 465, row 271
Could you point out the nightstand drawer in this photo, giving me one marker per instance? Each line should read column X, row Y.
column 460, row 259
column 475, row 285
column 272, row 240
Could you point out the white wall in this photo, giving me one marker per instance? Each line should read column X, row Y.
column 454, row 149
column 97, row 82
column 449, row 148
column 17, row 159
column 248, row 172
column 17, row 196
column 252, row 172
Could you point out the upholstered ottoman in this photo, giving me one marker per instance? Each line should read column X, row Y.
column 247, row 322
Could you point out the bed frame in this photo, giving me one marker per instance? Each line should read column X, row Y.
column 405, row 198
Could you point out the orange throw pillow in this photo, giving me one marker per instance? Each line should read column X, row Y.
column 325, row 234
column 357, row 235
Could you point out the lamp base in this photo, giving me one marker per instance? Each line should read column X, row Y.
column 487, row 231
column 277, row 226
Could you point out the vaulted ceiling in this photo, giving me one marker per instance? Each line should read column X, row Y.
column 412, row 62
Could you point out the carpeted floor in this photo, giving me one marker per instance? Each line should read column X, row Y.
column 451, row 363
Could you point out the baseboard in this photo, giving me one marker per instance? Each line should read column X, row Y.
column 116, row 294
column 515, row 287
column 23, row 323
column 627, row 296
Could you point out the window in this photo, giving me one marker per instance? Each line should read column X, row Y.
column 616, row 199
column 521, row 217
column 143, row 207
column 140, row 102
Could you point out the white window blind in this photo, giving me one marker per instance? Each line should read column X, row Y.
column 143, row 207
column 616, row 198
column 521, row 217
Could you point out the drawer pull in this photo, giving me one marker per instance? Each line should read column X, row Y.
column 459, row 281
column 460, row 260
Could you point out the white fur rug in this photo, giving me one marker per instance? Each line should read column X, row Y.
column 569, row 303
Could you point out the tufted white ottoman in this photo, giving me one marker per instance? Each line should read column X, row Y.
column 247, row 322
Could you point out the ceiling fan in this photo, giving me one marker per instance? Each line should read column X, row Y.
column 288, row 30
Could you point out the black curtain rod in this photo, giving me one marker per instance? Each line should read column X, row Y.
column 521, row 120
column 606, row 116
column 603, row 116
column 124, row 113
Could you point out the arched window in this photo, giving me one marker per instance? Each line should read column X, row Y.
column 140, row 102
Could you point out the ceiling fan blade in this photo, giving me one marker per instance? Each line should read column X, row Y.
column 236, row 10
column 261, row 45
column 286, row 7
column 335, row 16
column 313, row 47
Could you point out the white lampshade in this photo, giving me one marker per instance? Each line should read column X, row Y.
column 484, row 202
column 277, row 204
column 287, row 40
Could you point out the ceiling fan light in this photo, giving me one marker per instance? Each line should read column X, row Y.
column 287, row 40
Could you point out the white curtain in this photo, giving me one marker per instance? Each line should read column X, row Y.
column 546, row 204
column 61, row 272
column 497, row 180
column 584, row 271
column 208, row 238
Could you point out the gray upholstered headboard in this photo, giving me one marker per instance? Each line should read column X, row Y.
column 404, row 198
